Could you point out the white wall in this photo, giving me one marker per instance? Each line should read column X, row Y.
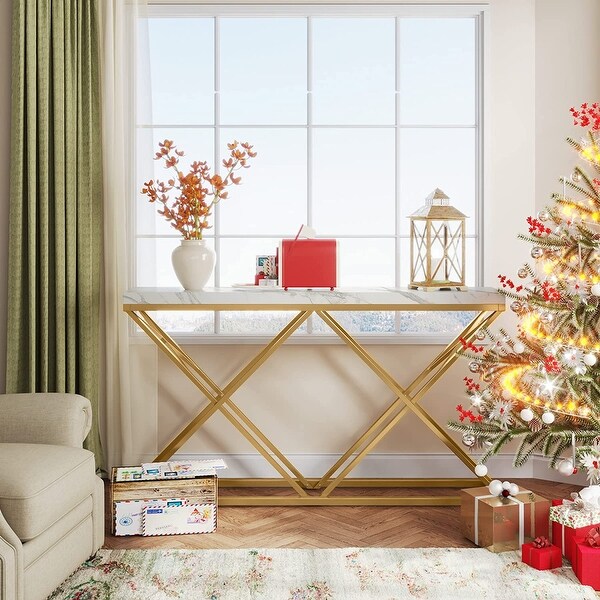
column 5, row 87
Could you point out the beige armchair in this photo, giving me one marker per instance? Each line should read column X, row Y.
column 51, row 501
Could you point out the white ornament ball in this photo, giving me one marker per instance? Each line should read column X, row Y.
column 590, row 359
column 481, row 470
column 495, row 487
column 565, row 467
column 506, row 485
column 527, row 415
column 514, row 489
column 519, row 347
column 506, row 394
column 548, row 418
column 596, row 289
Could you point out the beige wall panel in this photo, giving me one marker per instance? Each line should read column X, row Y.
column 567, row 74
column 307, row 399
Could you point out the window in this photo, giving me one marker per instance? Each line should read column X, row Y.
column 357, row 114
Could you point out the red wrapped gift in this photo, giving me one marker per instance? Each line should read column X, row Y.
column 564, row 536
column 575, row 541
column 586, row 564
column 541, row 554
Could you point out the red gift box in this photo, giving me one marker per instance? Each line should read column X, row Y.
column 586, row 564
column 566, row 537
column 549, row 557
column 307, row 263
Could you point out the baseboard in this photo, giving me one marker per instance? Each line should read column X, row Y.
column 386, row 466
column 374, row 465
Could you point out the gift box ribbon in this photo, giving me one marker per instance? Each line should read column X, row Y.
column 593, row 537
column 541, row 542
column 521, row 506
column 578, row 503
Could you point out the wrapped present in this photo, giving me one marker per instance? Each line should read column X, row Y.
column 586, row 561
column 571, row 520
column 541, row 554
column 503, row 523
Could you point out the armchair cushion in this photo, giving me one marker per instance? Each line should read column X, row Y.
column 45, row 418
column 40, row 483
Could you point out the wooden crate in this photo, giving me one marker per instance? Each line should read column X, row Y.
column 197, row 490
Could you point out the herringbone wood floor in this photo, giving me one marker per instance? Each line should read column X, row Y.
column 331, row 527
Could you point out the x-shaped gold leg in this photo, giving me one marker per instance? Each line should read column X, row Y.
column 406, row 401
column 220, row 399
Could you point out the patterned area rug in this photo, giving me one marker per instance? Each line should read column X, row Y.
column 341, row 574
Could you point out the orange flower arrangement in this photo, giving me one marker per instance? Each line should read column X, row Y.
column 197, row 191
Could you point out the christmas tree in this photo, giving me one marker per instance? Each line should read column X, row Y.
column 541, row 386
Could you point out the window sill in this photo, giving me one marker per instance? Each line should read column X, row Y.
column 302, row 340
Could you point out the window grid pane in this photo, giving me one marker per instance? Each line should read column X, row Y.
column 387, row 249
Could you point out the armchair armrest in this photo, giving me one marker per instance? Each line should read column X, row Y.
column 60, row 419
column 11, row 563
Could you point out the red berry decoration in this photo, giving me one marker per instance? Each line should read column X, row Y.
column 505, row 493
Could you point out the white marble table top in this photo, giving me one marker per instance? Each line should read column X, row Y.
column 251, row 298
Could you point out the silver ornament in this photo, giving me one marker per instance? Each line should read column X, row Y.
column 481, row 335
column 527, row 415
column 468, row 439
column 546, row 317
column 575, row 176
column 537, row 252
column 474, row 367
column 481, row 470
column 544, row 215
column 523, row 273
column 548, row 417
column 565, row 467
column 516, row 306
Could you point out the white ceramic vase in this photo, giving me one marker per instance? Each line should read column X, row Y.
column 193, row 262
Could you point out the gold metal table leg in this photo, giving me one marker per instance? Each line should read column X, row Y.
column 443, row 361
column 165, row 343
column 448, row 356
column 407, row 400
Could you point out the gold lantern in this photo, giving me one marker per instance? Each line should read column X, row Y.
column 437, row 245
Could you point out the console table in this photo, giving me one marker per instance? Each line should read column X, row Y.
column 487, row 303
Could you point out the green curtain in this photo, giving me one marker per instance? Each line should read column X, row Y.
column 55, row 238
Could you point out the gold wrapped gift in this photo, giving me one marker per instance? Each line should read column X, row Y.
column 501, row 524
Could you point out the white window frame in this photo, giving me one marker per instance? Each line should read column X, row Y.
column 269, row 8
